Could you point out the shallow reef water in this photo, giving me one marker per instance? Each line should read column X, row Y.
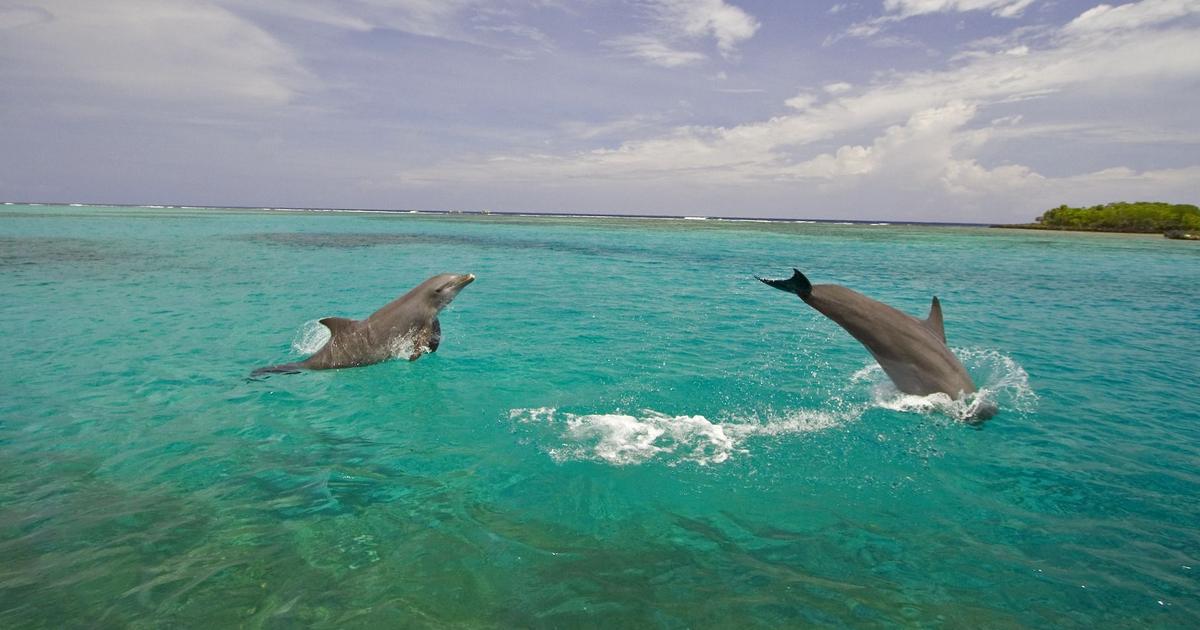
column 621, row 428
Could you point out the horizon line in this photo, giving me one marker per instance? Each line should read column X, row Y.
column 522, row 213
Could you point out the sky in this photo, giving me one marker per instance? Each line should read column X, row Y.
column 933, row 110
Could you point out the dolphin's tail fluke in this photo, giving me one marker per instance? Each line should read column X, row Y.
column 797, row 284
column 285, row 368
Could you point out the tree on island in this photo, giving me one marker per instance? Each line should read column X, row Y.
column 1140, row 216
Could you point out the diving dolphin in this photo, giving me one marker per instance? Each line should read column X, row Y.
column 407, row 325
column 911, row 351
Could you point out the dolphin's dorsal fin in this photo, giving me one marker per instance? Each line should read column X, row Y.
column 934, row 321
column 337, row 324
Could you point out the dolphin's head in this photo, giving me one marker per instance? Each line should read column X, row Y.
column 441, row 289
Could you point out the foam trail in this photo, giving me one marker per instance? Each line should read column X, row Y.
column 623, row 439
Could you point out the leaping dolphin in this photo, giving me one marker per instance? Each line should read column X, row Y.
column 407, row 326
column 911, row 351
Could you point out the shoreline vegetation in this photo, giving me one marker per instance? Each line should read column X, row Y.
column 1175, row 221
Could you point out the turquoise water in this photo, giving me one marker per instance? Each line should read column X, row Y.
column 621, row 428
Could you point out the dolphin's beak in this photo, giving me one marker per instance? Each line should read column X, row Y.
column 456, row 284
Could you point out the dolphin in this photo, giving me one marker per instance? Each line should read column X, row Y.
column 911, row 351
column 407, row 325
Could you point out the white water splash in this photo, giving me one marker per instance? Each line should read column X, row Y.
column 1003, row 386
column 627, row 439
column 404, row 347
column 623, row 439
column 311, row 337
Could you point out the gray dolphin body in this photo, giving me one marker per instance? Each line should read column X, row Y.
column 911, row 351
column 407, row 325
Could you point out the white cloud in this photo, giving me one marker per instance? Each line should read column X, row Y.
column 1039, row 116
column 654, row 51
column 931, row 129
column 899, row 10
column 1131, row 16
column 681, row 23
column 802, row 101
column 341, row 15
column 899, row 41
column 626, row 125
column 675, row 25
column 926, row 141
column 167, row 49
column 483, row 22
column 430, row 18
column 999, row 8
column 726, row 23
column 524, row 42
column 433, row 18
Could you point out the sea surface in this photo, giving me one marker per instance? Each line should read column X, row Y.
column 622, row 427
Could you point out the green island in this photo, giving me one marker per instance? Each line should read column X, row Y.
column 1179, row 221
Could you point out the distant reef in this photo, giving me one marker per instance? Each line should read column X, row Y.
column 1179, row 220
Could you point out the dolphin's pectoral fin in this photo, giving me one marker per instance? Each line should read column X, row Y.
column 435, row 336
column 286, row 368
column 426, row 340
column 797, row 284
column 337, row 324
column 934, row 321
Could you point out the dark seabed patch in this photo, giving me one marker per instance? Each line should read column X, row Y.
column 50, row 250
column 335, row 240
column 356, row 240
